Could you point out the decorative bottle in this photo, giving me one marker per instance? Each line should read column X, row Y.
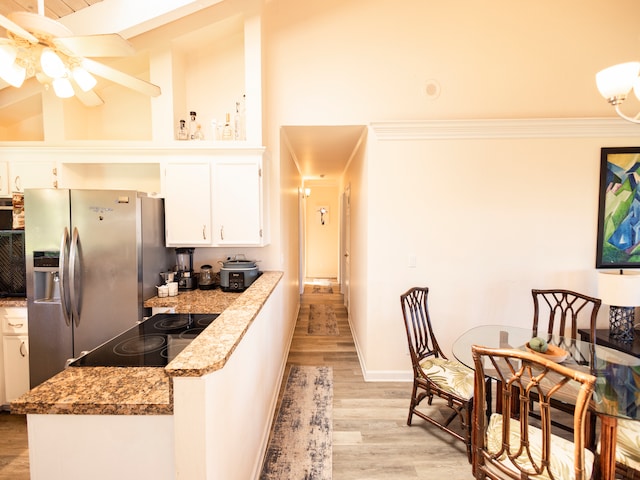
column 198, row 135
column 227, row 131
column 182, row 133
column 239, row 121
column 193, row 126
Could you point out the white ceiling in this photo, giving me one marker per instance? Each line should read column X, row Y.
column 322, row 152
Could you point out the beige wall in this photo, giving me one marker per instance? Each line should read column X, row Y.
column 487, row 219
column 322, row 240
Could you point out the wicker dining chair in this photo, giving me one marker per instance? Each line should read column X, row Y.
column 557, row 313
column 433, row 373
column 509, row 445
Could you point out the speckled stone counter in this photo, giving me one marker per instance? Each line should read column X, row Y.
column 13, row 302
column 148, row 390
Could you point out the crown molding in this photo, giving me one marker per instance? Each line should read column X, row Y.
column 505, row 128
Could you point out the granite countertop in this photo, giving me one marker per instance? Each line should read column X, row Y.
column 13, row 302
column 148, row 390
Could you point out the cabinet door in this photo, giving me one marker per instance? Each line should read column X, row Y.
column 31, row 175
column 4, row 180
column 16, row 365
column 187, row 204
column 237, row 201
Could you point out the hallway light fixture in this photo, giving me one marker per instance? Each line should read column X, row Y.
column 614, row 84
column 307, row 192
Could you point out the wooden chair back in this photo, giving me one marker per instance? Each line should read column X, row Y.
column 516, row 449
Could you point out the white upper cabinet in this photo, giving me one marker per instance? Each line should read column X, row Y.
column 31, row 175
column 237, row 201
column 187, row 204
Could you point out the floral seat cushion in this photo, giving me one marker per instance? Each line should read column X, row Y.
column 562, row 464
column 450, row 375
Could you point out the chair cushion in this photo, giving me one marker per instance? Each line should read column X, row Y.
column 450, row 375
column 562, row 465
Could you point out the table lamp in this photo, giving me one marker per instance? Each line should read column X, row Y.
column 621, row 291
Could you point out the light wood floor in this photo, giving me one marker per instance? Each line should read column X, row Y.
column 370, row 437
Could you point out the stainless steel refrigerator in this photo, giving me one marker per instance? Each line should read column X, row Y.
column 93, row 257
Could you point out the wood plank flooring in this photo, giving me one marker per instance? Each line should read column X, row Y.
column 370, row 437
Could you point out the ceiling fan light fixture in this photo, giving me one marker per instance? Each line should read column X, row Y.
column 52, row 64
column 13, row 74
column 8, row 55
column 84, row 79
column 62, row 88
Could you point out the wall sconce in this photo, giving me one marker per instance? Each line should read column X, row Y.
column 307, row 192
column 323, row 211
column 622, row 294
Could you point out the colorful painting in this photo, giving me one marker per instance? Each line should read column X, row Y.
column 619, row 209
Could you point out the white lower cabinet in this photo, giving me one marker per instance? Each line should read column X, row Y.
column 15, row 352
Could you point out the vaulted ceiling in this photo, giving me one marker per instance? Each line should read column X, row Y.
column 52, row 8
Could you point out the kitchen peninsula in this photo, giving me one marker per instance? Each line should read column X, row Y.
column 206, row 415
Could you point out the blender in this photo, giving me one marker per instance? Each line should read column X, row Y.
column 184, row 269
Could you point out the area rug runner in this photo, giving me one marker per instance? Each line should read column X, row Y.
column 322, row 320
column 301, row 444
column 321, row 289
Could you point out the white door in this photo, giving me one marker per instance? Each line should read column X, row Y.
column 31, row 175
column 346, row 244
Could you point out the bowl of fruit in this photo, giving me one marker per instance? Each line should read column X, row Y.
column 541, row 347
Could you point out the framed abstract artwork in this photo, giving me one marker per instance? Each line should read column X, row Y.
column 619, row 208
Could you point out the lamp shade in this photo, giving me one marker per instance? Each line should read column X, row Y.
column 620, row 290
column 618, row 80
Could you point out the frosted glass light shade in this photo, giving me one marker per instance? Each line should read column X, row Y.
column 617, row 81
column 84, row 79
column 62, row 88
column 7, row 56
column 51, row 63
column 14, row 75
column 619, row 290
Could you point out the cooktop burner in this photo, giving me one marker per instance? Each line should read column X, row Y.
column 152, row 343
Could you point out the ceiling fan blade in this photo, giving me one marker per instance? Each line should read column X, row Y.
column 121, row 78
column 107, row 45
column 16, row 29
column 88, row 99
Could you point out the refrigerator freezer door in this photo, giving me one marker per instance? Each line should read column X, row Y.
column 50, row 338
column 107, row 263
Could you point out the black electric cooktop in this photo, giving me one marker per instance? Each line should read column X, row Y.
column 152, row 343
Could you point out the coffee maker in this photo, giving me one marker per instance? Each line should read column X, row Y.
column 185, row 275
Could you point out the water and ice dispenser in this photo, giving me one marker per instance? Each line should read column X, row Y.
column 46, row 276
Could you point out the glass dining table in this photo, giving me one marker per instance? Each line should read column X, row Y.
column 617, row 389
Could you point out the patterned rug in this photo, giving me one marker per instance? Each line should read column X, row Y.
column 321, row 289
column 322, row 320
column 301, row 444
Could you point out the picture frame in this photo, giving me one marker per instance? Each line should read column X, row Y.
column 618, row 241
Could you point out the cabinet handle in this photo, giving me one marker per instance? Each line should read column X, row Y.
column 15, row 325
column 17, row 183
column 204, row 232
column 222, row 232
column 22, row 351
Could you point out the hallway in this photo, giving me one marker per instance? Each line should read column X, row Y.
column 370, row 437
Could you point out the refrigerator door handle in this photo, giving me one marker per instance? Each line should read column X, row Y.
column 62, row 274
column 73, row 259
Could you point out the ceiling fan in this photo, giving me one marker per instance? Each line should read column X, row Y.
column 37, row 46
